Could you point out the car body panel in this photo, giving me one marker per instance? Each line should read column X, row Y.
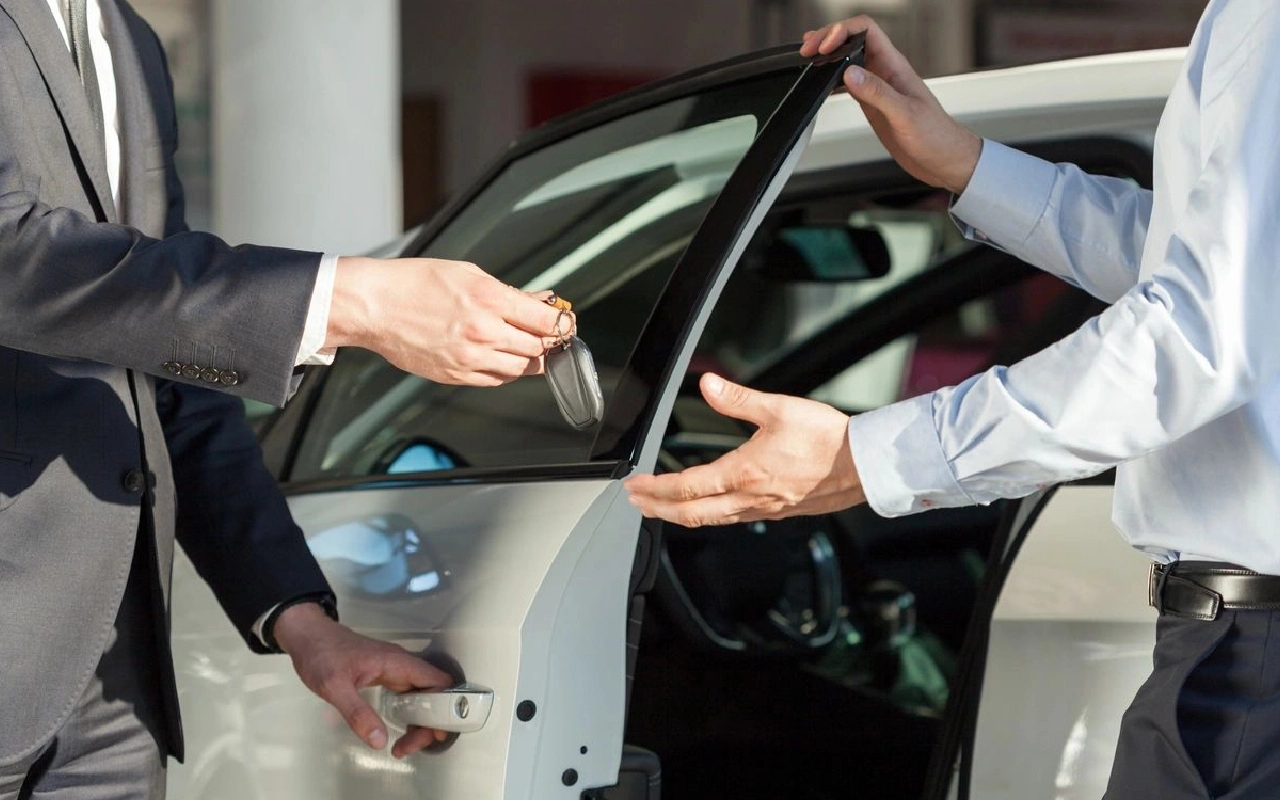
column 1070, row 643
column 514, row 597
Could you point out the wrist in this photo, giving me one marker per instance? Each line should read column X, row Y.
column 350, row 311
column 296, row 624
column 970, row 151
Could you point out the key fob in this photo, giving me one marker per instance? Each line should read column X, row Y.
column 571, row 372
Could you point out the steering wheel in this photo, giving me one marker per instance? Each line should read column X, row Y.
column 755, row 588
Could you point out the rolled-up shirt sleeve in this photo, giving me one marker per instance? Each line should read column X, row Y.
column 1195, row 336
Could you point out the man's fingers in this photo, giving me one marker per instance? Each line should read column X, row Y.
column 869, row 89
column 497, row 368
column 734, row 400
column 837, row 35
column 416, row 739
column 360, row 716
column 680, row 499
column 810, row 41
column 694, row 483
column 531, row 314
column 522, row 343
column 512, row 367
column 403, row 672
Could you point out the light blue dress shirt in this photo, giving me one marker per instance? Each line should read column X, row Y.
column 1178, row 381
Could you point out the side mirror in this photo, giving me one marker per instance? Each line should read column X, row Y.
column 824, row 254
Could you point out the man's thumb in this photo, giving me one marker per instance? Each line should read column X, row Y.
column 733, row 400
column 867, row 87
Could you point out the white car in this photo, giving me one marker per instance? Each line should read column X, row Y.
column 740, row 218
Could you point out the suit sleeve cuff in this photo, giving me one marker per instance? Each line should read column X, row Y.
column 900, row 459
column 263, row 630
column 311, row 349
column 1007, row 196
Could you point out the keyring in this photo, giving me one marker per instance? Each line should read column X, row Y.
column 561, row 336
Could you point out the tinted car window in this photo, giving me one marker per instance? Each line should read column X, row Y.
column 602, row 217
column 761, row 320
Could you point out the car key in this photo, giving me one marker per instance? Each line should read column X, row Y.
column 571, row 373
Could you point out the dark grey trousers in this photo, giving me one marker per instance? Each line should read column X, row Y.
column 111, row 748
column 1206, row 724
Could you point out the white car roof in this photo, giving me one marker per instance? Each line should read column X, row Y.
column 1121, row 95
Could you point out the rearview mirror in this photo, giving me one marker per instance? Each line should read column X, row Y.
column 824, row 254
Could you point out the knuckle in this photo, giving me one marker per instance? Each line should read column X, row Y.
column 751, row 476
column 330, row 686
column 364, row 719
column 475, row 330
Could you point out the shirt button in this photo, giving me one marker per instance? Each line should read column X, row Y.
column 134, row 481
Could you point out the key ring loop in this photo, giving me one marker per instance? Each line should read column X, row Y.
column 562, row 337
column 566, row 310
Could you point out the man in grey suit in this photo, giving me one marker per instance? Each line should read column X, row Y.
column 125, row 342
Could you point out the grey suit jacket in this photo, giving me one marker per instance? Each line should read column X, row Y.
column 100, row 311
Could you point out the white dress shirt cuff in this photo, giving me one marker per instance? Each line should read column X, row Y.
column 259, row 625
column 311, row 351
column 901, row 463
column 1006, row 198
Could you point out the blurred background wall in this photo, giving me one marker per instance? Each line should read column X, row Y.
column 334, row 124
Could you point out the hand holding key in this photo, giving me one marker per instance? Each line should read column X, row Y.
column 571, row 371
column 447, row 321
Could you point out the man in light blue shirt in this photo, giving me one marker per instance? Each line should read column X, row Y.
column 1176, row 384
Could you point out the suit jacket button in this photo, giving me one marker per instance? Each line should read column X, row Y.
column 229, row 377
column 191, row 372
column 209, row 375
column 134, row 481
column 173, row 367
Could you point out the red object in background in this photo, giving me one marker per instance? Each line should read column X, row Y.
column 552, row 92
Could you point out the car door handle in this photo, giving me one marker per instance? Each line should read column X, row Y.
column 460, row 709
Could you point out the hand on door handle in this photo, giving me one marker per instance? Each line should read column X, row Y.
column 460, row 709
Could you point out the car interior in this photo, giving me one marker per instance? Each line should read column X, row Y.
column 814, row 657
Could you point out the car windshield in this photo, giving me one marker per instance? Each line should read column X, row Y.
column 602, row 217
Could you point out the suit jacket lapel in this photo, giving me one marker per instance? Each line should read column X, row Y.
column 138, row 128
column 54, row 60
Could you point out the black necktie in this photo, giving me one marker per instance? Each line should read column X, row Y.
column 82, row 54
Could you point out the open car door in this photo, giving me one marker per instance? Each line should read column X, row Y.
column 476, row 526
column 1070, row 642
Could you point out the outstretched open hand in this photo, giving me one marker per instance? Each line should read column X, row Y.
column 798, row 462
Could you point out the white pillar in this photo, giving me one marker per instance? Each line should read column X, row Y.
column 306, row 122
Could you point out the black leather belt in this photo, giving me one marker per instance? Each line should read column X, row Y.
column 1196, row 590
